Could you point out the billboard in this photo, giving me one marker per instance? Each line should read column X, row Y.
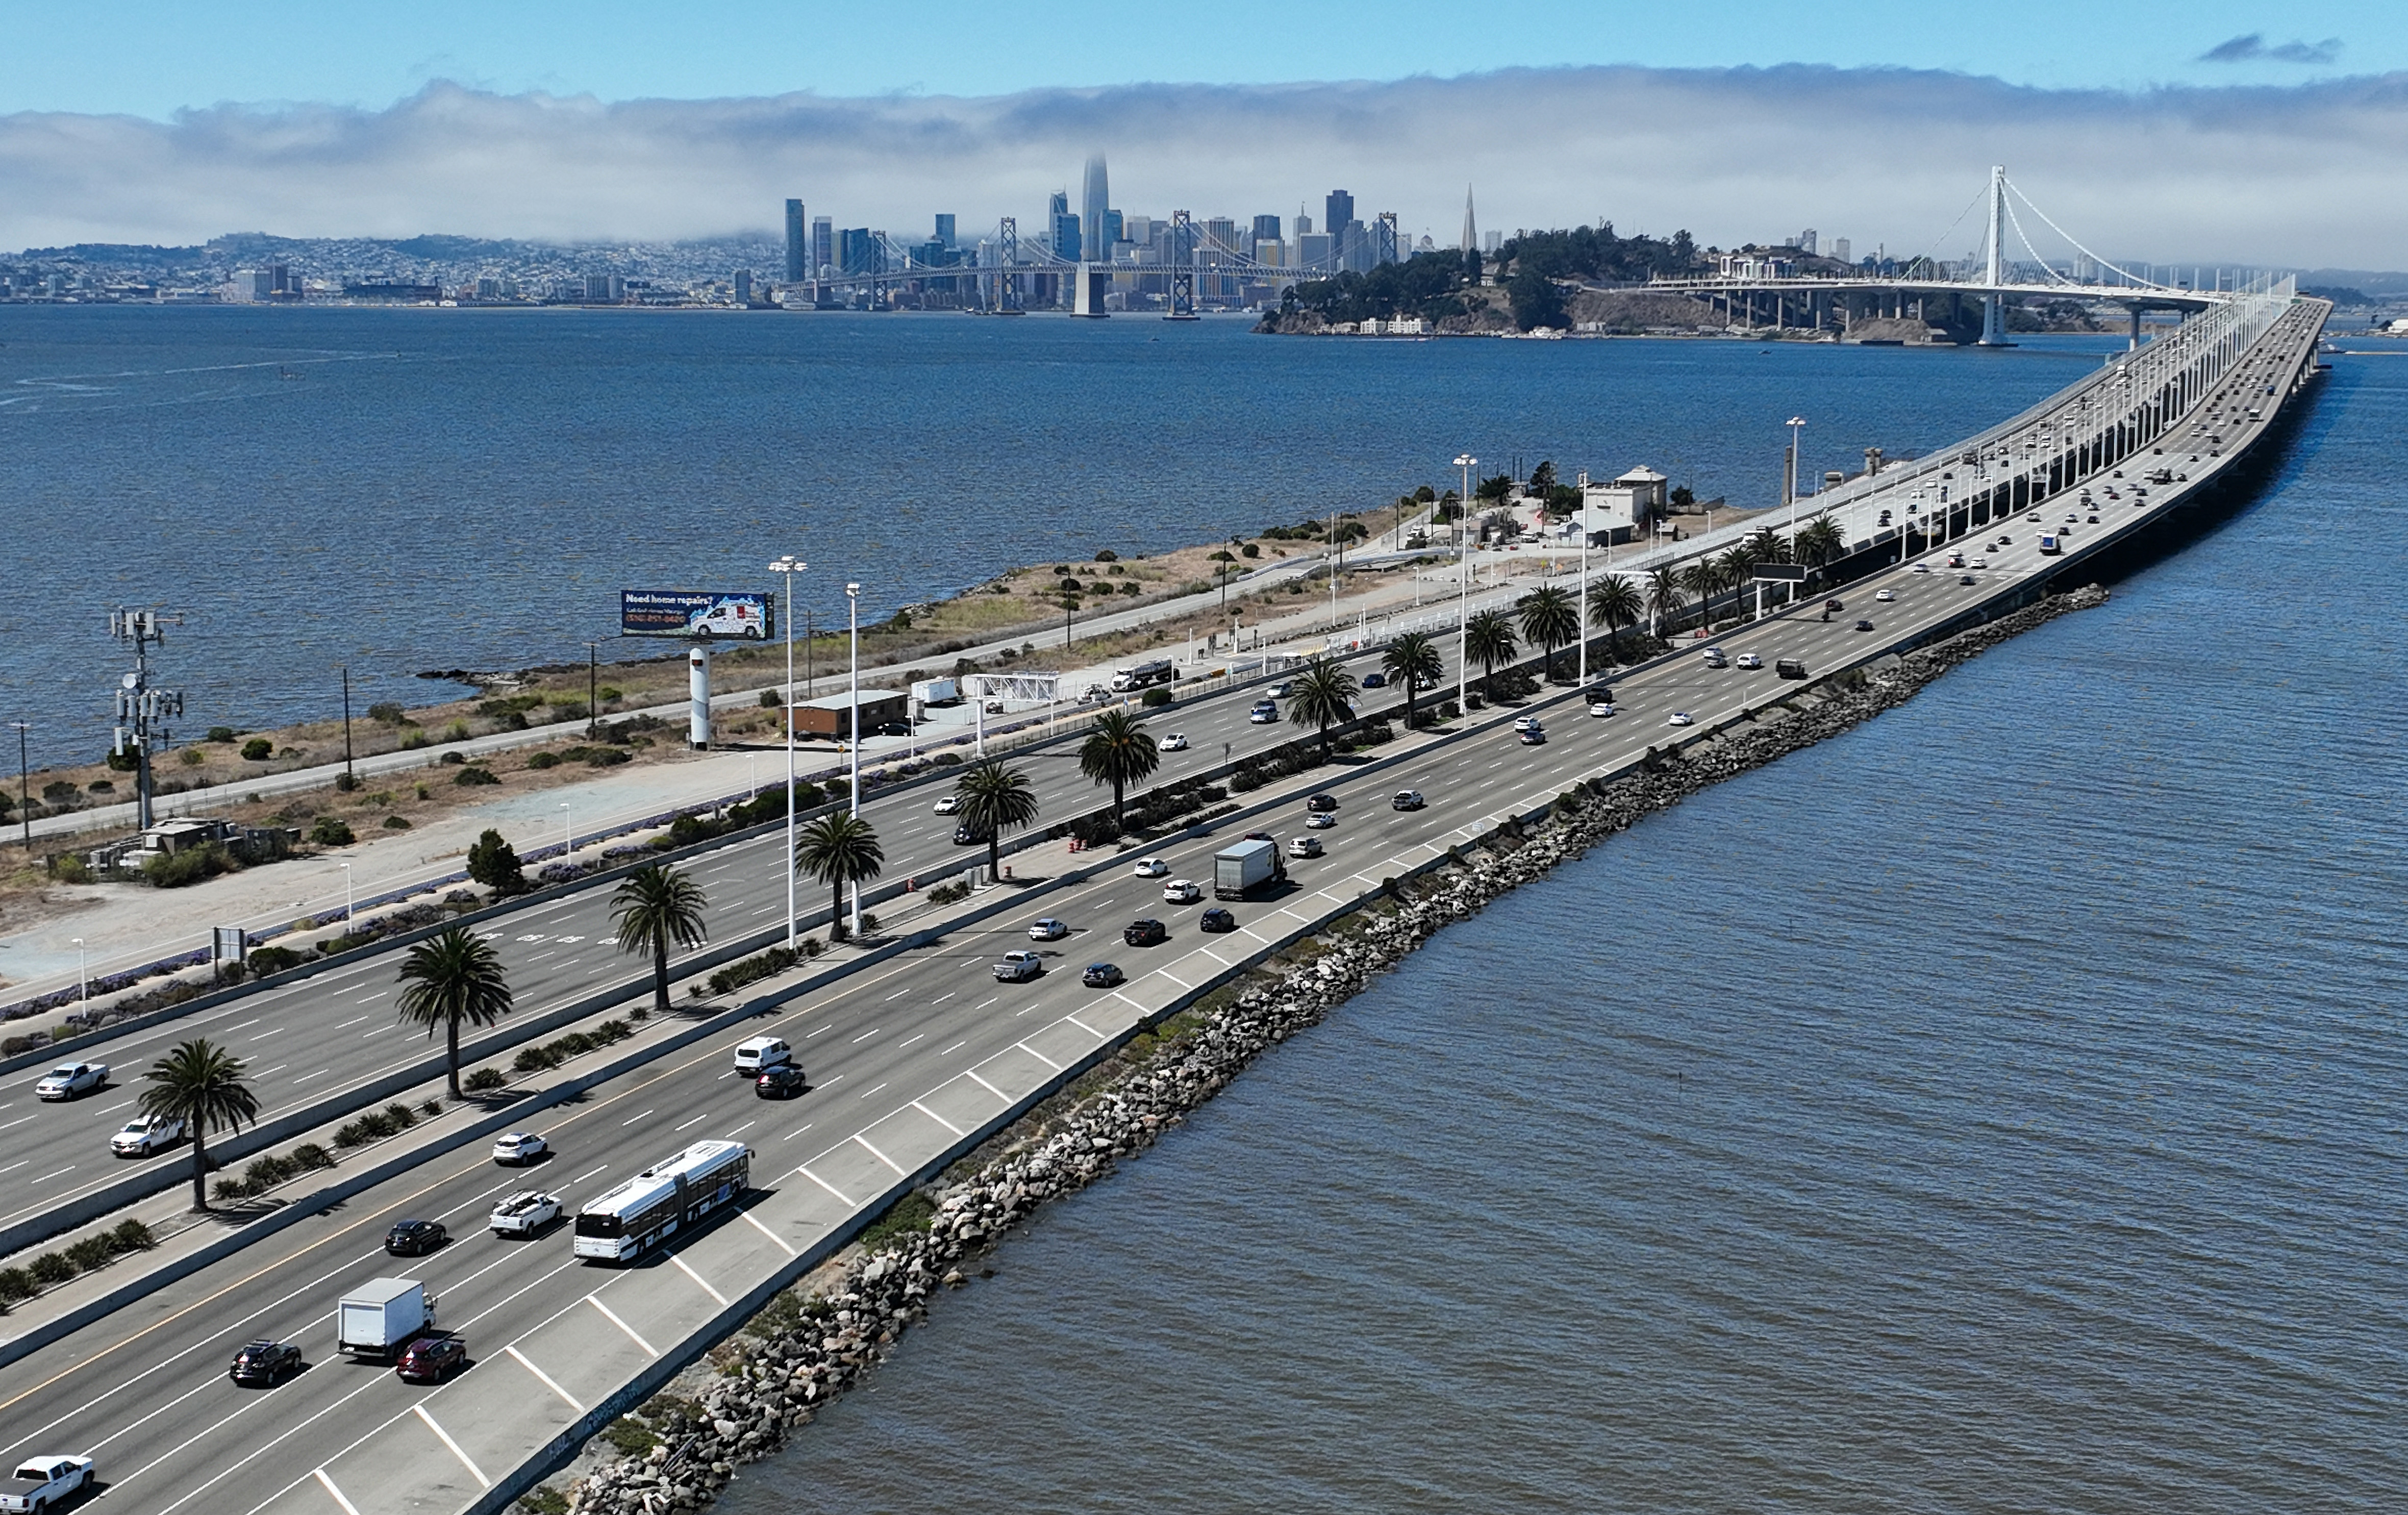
column 697, row 615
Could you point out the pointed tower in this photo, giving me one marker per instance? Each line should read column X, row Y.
column 1470, row 227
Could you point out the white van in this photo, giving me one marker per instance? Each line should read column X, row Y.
column 759, row 1052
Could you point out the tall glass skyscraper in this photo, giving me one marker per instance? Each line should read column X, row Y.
column 1094, row 200
column 798, row 248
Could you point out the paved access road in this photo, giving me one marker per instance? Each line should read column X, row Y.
column 336, row 1033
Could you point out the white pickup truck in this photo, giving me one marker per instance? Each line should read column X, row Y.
column 145, row 1134
column 40, row 1483
column 524, row 1214
column 68, row 1080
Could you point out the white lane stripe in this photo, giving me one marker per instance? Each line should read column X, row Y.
column 545, row 1379
column 1040, row 1056
column 938, row 1118
column 881, row 1156
column 699, row 1280
column 822, row 1182
column 348, row 1509
column 612, row 1316
column 474, row 1471
column 767, row 1232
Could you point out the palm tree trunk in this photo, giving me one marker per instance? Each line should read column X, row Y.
column 660, row 976
column 1324, row 739
column 1409, row 703
column 835, row 908
column 995, row 858
column 1120, row 821
column 451, row 1050
column 200, row 1169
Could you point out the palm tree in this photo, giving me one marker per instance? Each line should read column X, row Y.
column 1738, row 567
column 654, row 909
column 200, row 1084
column 1488, row 638
column 1663, row 600
column 449, row 977
column 1614, row 601
column 1321, row 694
column 994, row 799
column 838, row 850
column 1703, row 578
column 1410, row 659
column 1119, row 752
column 1551, row 618
column 1818, row 542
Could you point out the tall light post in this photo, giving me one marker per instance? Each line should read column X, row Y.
column 1794, row 423
column 567, row 838
column 1462, row 590
column 24, row 792
column 787, row 567
column 83, row 973
column 852, row 725
column 346, row 892
column 1582, row 591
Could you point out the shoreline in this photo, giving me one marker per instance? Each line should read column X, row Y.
column 816, row 1340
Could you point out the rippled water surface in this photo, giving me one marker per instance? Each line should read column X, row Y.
column 1996, row 1108
column 404, row 489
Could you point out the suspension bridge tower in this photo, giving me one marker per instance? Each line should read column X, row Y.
column 1994, row 307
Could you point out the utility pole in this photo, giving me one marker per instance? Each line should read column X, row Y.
column 350, row 779
column 142, row 712
column 593, row 691
column 25, row 796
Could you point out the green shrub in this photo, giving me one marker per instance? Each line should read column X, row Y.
column 265, row 1173
column 544, row 760
column 309, row 1155
column 453, row 760
column 535, row 1060
column 473, row 775
column 770, row 700
column 189, row 867
column 132, row 1236
column 50, row 1268
column 386, row 712
column 395, row 822
column 484, row 1080
column 1154, row 698
column 267, row 960
column 258, row 749
column 609, row 694
column 221, row 734
column 569, row 710
column 606, row 757
column 16, row 1284
column 913, row 1212
column 90, row 1252
column 414, row 739
column 431, row 1106
column 401, row 1115
column 456, row 731
column 767, row 964
column 329, row 831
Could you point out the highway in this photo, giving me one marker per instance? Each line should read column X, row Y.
column 895, row 1052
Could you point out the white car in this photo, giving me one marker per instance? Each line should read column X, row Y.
column 1320, row 820
column 1019, row 966
column 1048, row 929
column 1885, row 596
column 1715, row 659
column 1304, row 847
column 145, row 1134
column 520, row 1146
column 1980, row 563
column 40, row 1483
column 950, row 805
column 1181, row 892
column 1525, row 722
column 1174, row 743
column 1749, row 659
column 1681, row 717
column 1600, row 709
column 1922, row 567
column 1264, row 714
column 1152, row 867
column 525, row 1213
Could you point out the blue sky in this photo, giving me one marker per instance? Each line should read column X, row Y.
column 149, row 58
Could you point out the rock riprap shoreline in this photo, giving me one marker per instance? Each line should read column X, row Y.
column 817, row 1339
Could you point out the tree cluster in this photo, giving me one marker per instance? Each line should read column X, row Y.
column 1427, row 284
column 1529, row 265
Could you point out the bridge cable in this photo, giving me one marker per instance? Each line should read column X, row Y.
column 2144, row 284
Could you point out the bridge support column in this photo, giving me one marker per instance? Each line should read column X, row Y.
column 1993, row 322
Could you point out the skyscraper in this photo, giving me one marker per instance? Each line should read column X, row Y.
column 798, row 252
column 945, row 229
column 1094, row 199
column 1470, row 227
column 1266, row 228
column 1337, row 210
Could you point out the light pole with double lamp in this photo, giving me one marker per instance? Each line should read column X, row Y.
column 787, row 567
column 1462, row 590
column 852, row 725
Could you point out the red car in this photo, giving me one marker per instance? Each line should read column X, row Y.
column 432, row 1359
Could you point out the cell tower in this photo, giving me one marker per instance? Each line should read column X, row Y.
column 143, row 712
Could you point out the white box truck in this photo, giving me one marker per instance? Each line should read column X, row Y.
column 936, row 692
column 381, row 1316
column 1241, row 868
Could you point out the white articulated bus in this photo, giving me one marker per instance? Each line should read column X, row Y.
column 622, row 1224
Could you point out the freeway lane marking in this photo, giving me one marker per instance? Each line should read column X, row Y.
column 990, row 1088
column 1035, row 1053
column 47, row 1176
column 938, row 1118
column 21, row 1120
column 589, row 1173
column 941, row 998
column 632, row 1120
column 881, row 1156
column 14, row 1166
column 1088, row 1029
column 984, row 1003
column 767, row 1232
column 612, row 1316
column 816, row 1030
column 954, row 1048
column 897, row 994
column 348, row 1509
column 545, row 1379
column 798, row 1131
column 307, row 1077
column 865, row 1036
column 868, row 1093
column 697, row 1120
column 823, row 1182
column 474, row 1471
column 922, row 1037
column 698, row 1279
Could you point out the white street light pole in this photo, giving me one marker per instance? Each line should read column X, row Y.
column 346, row 892
column 567, row 835
column 1462, row 591
column 853, row 724
column 83, row 973
column 1582, row 591
column 1794, row 423
column 787, row 567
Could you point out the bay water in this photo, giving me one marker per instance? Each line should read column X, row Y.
column 1996, row 1108
column 394, row 491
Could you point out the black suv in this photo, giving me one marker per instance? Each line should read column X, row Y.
column 1217, row 919
column 266, row 1362
column 1145, row 933
column 1321, row 803
column 413, row 1239
column 780, row 1080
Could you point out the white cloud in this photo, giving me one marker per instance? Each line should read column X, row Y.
column 2310, row 173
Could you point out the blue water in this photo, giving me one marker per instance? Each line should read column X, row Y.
column 1996, row 1108
column 403, row 489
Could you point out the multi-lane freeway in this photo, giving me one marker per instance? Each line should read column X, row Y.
column 907, row 1057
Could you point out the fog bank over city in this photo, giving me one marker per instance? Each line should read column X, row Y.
column 2303, row 175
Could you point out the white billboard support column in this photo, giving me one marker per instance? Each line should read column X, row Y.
column 697, row 678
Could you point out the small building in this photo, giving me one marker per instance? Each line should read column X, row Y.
column 831, row 715
column 1623, row 509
